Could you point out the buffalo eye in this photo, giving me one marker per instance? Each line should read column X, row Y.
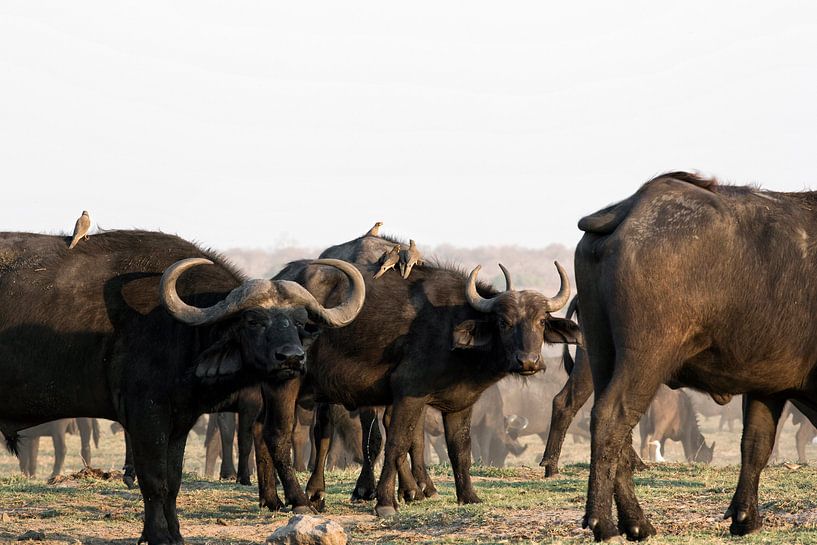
column 311, row 328
column 504, row 324
column 543, row 322
column 255, row 323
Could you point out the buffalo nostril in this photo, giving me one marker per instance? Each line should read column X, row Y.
column 289, row 353
column 526, row 360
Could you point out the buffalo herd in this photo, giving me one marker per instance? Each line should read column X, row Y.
column 350, row 358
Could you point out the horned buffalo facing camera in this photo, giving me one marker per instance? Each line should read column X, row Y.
column 435, row 338
column 148, row 330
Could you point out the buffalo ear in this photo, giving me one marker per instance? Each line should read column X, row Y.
column 308, row 333
column 472, row 334
column 223, row 358
column 562, row 330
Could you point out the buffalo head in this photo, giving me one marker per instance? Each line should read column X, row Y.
column 520, row 321
column 273, row 321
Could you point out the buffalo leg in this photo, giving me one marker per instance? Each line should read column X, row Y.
column 566, row 405
column 129, row 468
column 226, row 425
column 247, row 414
column 175, row 462
column 59, row 452
column 212, row 446
column 407, row 487
column 802, row 438
column 151, row 457
column 372, row 444
column 28, row 450
column 418, row 461
column 301, row 446
column 85, row 426
column 406, row 412
column 617, row 410
column 631, row 518
column 760, row 416
column 280, row 401
column 458, row 440
column 322, row 441
column 265, row 469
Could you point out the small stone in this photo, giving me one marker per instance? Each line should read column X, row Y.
column 308, row 530
column 221, row 522
column 31, row 535
column 5, row 517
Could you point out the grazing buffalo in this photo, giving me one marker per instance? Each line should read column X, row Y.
column 130, row 326
column 671, row 416
column 707, row 286
column 29, row 444
column 436, row 338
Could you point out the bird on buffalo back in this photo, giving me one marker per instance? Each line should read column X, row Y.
column 81, row 229
column 409, row 258
column 388, row 260
column 375, row 230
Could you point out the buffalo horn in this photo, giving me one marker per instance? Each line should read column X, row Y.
column 507, row 274
column 262, row 293
column 560, row 299
column 475, row 299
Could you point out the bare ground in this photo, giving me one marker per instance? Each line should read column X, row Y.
column 685, row 502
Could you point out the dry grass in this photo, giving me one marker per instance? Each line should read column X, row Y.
column 685, row 502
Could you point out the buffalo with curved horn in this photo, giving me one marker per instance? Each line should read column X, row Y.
column 436, row 338
column 152, row 339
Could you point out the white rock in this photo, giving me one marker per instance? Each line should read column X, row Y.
column 308, row 530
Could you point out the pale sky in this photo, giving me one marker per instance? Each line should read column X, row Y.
column 261, row 123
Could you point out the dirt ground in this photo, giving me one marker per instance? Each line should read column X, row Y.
column 685, row 501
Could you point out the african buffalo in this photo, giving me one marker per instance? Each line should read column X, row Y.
column 130, row 327
column 436, row 338
column 708, row 286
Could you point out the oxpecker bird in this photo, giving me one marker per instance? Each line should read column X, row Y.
column 388, row 260
column 375, row 230
column 81, row 229
column 409, row 258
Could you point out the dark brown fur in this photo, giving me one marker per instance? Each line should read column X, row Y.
column 694, row 287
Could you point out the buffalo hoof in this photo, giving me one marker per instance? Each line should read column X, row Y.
column 637, row 531
column 467, row 498
column 273, row 503
column 303, row 510
column 409, row 495
column 160, row 540
column 129, row 480
column 361, row 493
column 385, row 511
column 744, row 520
column 603, row 529
column 227, row 476
column 318, row 501
column 245, row 481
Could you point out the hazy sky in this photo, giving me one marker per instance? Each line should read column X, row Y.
column 261, row 123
